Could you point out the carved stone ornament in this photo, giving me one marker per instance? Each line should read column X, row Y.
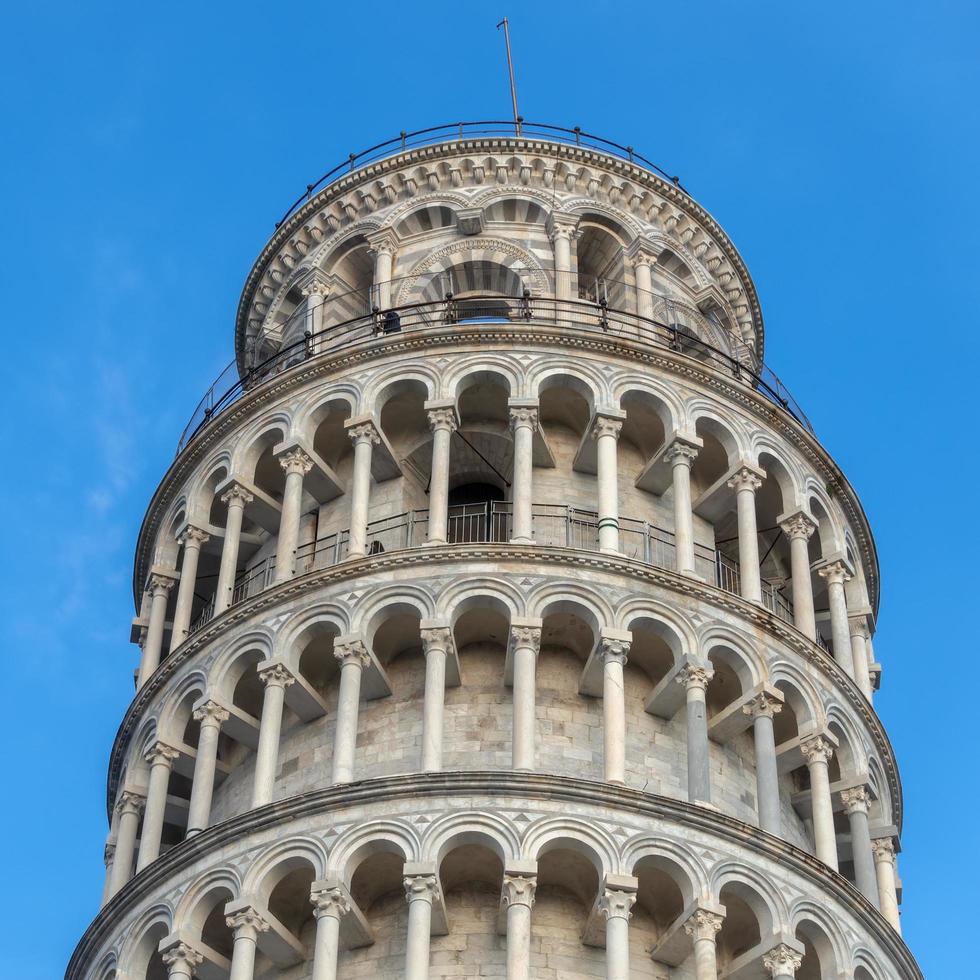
column 161, row 584
column 211, row 713
column 275, row 675
column 835, row 573
column 817, row 749
column 442, row 418
column 296, row 461
column 238, row 495
column 781, row 961
column 798, row 526
column 614, row 651
column 526, row 637
column 694, row 675
column 703, row 924
column 744, row 479
column 763, row 705
column 616, row 904
column 193, row 536
column 605, row 426
column 247, row 921
column 330, row 901
column 366, row 432
column 420, row 888
column 436, row 638
column 526, row 416
column 130, row 802
column 183, row 957
column 681, row 453
column 352, row 652
column 883, row 849
column 161, row 754
column 855, row 800
column 518, row 890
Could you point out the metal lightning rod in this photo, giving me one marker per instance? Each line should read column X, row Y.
column 510, row 69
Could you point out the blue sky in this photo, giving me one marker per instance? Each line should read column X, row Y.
column 148, row 150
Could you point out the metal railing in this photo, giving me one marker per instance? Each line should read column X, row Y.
column 476, row 313
column 479, row 129
column 554, row 525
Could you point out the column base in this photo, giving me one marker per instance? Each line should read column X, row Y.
column 528, row 541
column 433, row 543
column 611, row 551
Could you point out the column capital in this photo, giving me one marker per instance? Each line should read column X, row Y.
column 746, row 478
column 782, row 961
column 763, row 705
column 798, row 525
column 316, row 288
column 524, row 416
column 210, row 712
column 182, row 957
column 238, row 495
column 525, row 634
column 130, row 802
column 617, row 903
column 421, row 887
column 856, row 799
column 295, row 460
column 275, row 674
column 192, row 535
column 162, row 580
column 442, row 418
column 817, row 748
column 109, row 852
column 384, row 242
column 331, row 901
column 858, row 626
column 559, row 225
column 518, row 889
column 245, row 920
column 703, row 924
column 351, row 649
column 681, row 452
column 608, row 424
column 362, row 432
column 696, row 676
column 883, row 849
column 835, row 573
column 614, row 649
column 159, row 753
column 436, row 638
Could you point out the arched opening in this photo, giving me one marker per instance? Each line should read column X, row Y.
column 600, row 263
column 660, row 902
column 377, row 888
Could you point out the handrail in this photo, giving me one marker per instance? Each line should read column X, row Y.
column 450, row 132
column 575, row 313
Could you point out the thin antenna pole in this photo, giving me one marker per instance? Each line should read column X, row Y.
column 510, row 70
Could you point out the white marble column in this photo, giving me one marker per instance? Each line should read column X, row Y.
column 680, row 457
column 236, row 497
column 181, row 961
column 420, row 890
column 614, row 651
column 695, row 679
column 330, row 905
column 798, row 528
column 160, row 759
column 108, row 857
column 353, row 657
column 443, row 423
column 763, row 708
column 605, row 431
column 745, row 483
column 642, row 263
column 818, row 752
column 276, row 679
column 782, row 961
column 523, row 422
column 884, row 858
column 836, row 575
column 525, row 640
column 382, row 248
column 856, row 802
column 296, row 464
column 210, row 717
column 616, row 906
column 435, row 646
column 860, row 636
column 161, row 582
column 191, row 538
column 703, row 927
column 128, row 809
column 517, row 897
column 316, row 294
column 246, row 925
column 365, row 437
column 560, row 231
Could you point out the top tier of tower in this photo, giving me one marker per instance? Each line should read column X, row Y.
column 498, row 216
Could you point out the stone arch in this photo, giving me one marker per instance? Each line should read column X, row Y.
column 865, row 964
column 423, row 218
column 849, row 754
column 278, row 860
column 454, row 829
column 782, row 471
column 821, row 934
column 256, row 441
column 725, row 645
column 200, row 495
column 677, row 860
column 315, row 406
column 580, row 836
column 496, row 370
column 355, row 846
column 398, row 213
column 190, row 688
column 240, row 655
column 392, row 382
column 319, row 619
column 459, row 597
column 830, row 542
column 729, row 432
column 142, row 939
column 190, row 913
column 107, row 966
column 659, row 399
column 628, row 228
column 558, row 597
column 799, row 693
column 677, row 632
column 755, row 890
column 585, row 382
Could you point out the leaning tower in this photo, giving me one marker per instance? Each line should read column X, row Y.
column 501, row 613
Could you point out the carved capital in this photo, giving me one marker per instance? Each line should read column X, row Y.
column 855, row 800
column 703, row 924
column 614, row 650
column 681, row 454
column 109, row 852
column 694, row 676
column 420, row 888
column 799, row 526
column 527, row 417
column 160, row 583
column 858, row 626
column 817, row 749
column 884, row 850
column 518, row 890
column 295, row 461
column 317, row 289
column 745, row 479
column 763, row 705
column 526, row 636
column 351, row 651
column 606, row 426
column 436, row 638
column 333, row 902
column 130, row 802
column 782, row 961
column 246, row 921
column 181, row 957
column 365, row 433
column 442, row 418
column 617, row 904
column 237, row 495
column 193, row 537
column 161, row 754
column 211, row 713
column 275, row 675
column 835, row 573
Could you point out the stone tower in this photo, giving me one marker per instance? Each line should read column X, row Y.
column 501, row 614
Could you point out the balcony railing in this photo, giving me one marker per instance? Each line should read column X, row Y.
column 555, row 525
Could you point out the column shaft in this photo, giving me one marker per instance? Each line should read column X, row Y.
column 236, row 498
column 835, row 576
column 614, row 652
column 523, row 422
column 617, row 948
column 818, row 753
column 696, row 679
column 644, row 288
column 296, row 464
column 745, row 483
column 563, row 263
column 353, row 659
column 160, row 759
column 606, row 434
column 192, row 538
column 766, row 775
column 432, row 711
column 798, row 529
column 326, row 948
column 243, row 956
column 856, row 804
column 122, row 864
column 884, row 857
column 152, row 645
column 518, row 942
column 524, row 646
column 859, row 656
column 419, row 931
column 705, row 959
column 364, row 437
column 276, row 680
column 681, row 456
column 210, row 716
column 443, row 423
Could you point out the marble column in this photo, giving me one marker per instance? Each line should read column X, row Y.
column 365, row 437
column 745, row 483
column 523, row 422
column 160, row 759
column 860, row 636
column 108, row 857
column 703, row 927
column 210, row 716
column 560, row 232
column 330, row 905
column 525, row 640
column 382, row 248
column 161, row 582
column 884, row 857
column 798, row 528
column 836, row 575
column 614, row 651
column 517, row 897
column 606, row 432
column 695, row 679
column 236, row 497
column 818, row 752
column 762, row 709
column 191, row 538
column 276, row 679
column 644, row 284
column 680, row 457
column 296, row 464
column 246, row 925
column 420, row 890
column 316, row 294
column 442, row 422
column 181, row 961
column 353, row 657
column 616, row 906
column 128, row 809
column 782, row 961
column 436, row 643
column 856, row 802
